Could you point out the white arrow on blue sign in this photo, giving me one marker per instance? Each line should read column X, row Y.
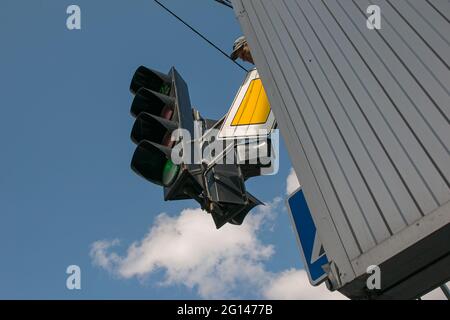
column 311, row 247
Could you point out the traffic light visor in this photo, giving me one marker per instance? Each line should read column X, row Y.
column 150, row 79
column 154, row 103
column 152, row 128
column 152, row 163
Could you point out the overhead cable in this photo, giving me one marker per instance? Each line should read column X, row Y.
column 199, row 34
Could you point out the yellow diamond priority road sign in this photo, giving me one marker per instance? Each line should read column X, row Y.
column 250, row 115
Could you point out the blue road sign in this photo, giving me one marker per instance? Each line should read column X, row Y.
column 311, row 247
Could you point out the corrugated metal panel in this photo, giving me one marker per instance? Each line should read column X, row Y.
column 364, row 113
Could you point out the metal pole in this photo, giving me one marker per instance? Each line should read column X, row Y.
column 446, row 291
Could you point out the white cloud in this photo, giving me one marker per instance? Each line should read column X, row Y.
column 218, row 264
column 294, row 285
column 192, row 252
column 101, row 257
column 292, row 182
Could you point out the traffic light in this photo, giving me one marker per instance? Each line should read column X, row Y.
column 229, row 200
column 161, row 105
column 155, row 110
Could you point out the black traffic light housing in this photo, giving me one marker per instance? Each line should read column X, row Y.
column 162, row 105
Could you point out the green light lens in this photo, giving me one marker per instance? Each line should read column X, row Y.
column 170, row 173
column 165, row 89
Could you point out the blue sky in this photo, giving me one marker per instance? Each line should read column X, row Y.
column 65, row 180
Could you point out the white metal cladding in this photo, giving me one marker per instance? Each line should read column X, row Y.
column 364, row 113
